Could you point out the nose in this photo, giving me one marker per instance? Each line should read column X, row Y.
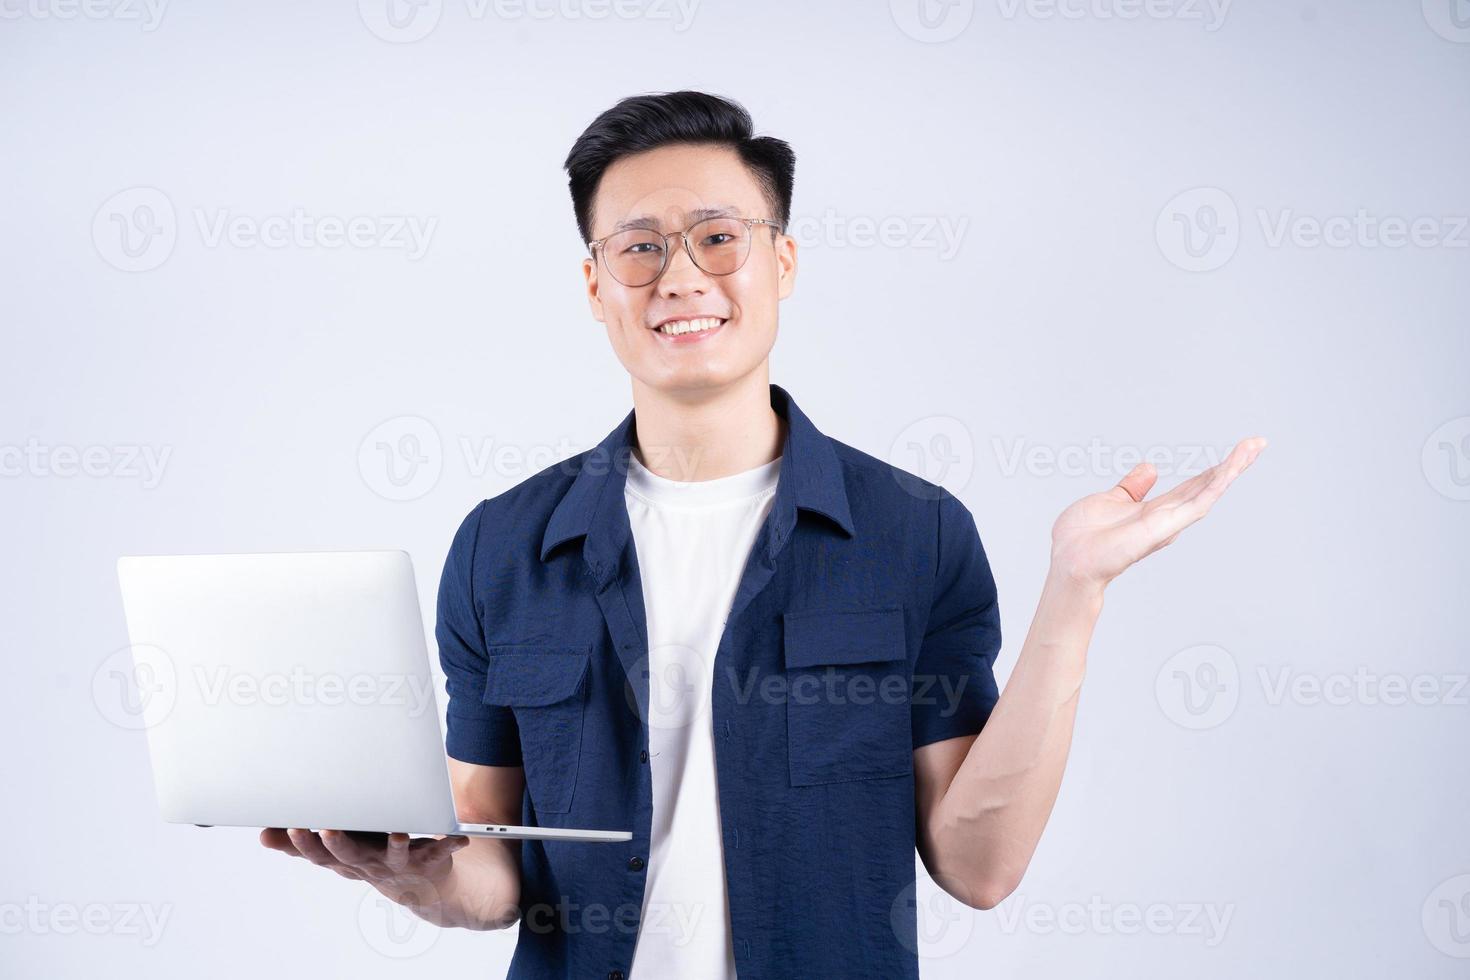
column 681, row 277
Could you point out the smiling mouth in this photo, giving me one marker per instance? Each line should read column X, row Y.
column 679, row 328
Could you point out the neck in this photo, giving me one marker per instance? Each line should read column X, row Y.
column 708, row 433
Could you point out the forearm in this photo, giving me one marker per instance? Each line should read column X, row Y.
column 482, row 889
column 989, row 820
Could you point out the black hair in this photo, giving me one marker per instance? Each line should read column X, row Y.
column 645, row 122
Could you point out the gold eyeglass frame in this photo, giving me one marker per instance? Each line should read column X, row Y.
column 750, row 223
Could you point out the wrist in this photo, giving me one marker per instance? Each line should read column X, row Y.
column 1065, row 582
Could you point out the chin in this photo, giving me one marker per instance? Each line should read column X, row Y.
column 691, row 378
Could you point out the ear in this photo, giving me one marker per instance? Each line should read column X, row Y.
column 589, row 272
column 785, row 247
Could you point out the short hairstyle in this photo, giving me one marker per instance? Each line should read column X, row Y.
column 645, row 122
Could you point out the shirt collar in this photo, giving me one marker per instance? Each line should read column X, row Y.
column 593, row 506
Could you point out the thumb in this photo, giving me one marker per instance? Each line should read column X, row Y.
column 1136, row 485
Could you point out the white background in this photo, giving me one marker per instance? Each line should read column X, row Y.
column 1326, row 832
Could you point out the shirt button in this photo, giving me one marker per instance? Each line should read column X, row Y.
column 635, row 864
column 643, row 756
column 615, row 975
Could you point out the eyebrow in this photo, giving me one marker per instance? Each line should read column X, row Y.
column 650, row 223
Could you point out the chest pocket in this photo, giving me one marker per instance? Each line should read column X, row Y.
column 847, row 694
column 546, row 688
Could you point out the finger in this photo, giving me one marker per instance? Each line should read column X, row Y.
column 1242, row 454
column 454, row 841
column 1184, row 491
column 1190, row 488
column 276, row 839
column 347, row 851
column 425, row 850
column 1166, row 522
column 332, row 841
column 397, row 854
column 1168, row 516
column 1203, row 489
column 1137, row 483
column 315, row 850
column 311, row 847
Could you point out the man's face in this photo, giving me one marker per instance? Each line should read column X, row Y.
column 670, row 185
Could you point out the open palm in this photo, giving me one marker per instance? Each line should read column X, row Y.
column 1099, row 536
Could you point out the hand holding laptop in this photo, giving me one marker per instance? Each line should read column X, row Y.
column 455, row 880
column 392, row 863
column 449, row 881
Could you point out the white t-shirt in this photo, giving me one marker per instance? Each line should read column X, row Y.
column 692, row 542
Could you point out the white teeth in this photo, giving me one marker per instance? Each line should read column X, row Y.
column 689, row 326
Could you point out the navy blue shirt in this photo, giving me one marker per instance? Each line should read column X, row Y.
column 864, row 626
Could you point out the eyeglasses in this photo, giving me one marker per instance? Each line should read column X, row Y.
column 719, row 246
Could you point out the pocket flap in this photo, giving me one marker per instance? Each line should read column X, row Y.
column 534, row 676
column 817, row 637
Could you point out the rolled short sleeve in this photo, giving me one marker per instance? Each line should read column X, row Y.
column 954, row 688
column 480, row 733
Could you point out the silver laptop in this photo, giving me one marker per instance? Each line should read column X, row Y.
column 293, row 690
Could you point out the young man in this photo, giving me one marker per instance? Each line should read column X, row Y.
column 767, row 653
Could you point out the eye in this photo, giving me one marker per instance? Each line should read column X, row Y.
column 641, row 248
